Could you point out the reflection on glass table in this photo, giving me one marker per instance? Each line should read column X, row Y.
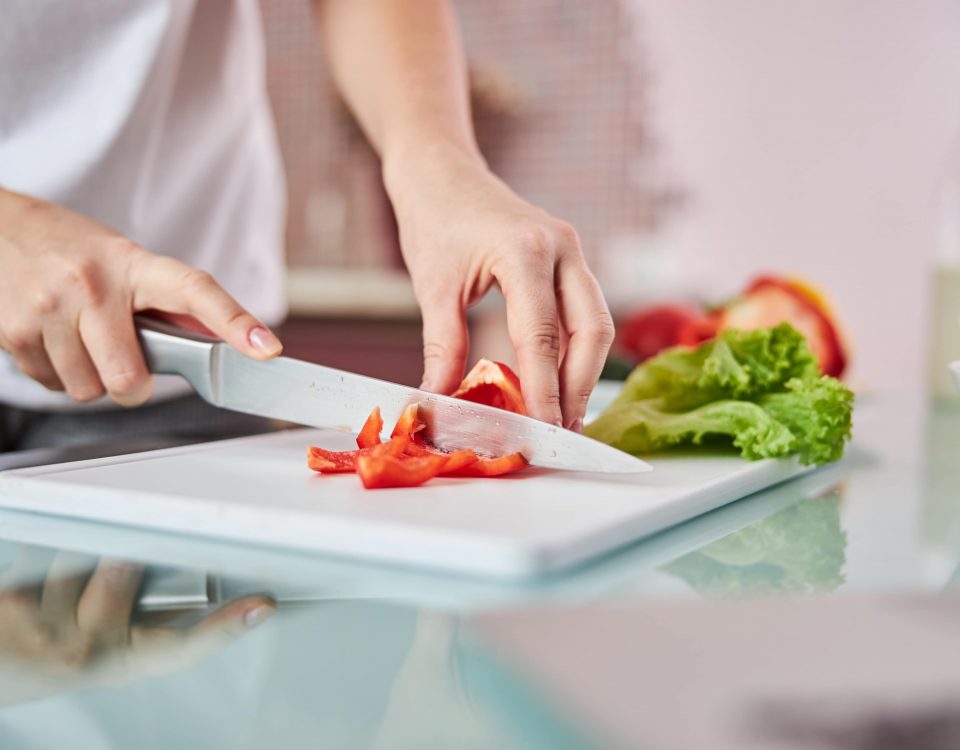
column 68, row 621
column 799, row 549
column 364, row 656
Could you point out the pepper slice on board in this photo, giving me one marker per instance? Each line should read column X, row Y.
column 387, row 471
column 406, row 460
column 490, row 467
column 369, row 434
column 493, row 384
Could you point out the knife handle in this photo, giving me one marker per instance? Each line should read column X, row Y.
column 171, row 350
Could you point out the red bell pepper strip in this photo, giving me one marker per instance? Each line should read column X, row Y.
column 345, row 462
column 387, row 471
column 369, row 435
column 490, row 467
column 332, row 462
column 409, row 423
column 457, row 461
column 406, row 460
column 493, row 384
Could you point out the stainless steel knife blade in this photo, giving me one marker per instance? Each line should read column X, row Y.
column 319, row 396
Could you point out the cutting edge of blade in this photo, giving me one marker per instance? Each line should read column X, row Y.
column 579, row 452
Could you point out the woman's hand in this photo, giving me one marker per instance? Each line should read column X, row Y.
column 69, row 289
column 462, row 230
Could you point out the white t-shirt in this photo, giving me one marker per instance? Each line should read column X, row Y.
column 150, row 116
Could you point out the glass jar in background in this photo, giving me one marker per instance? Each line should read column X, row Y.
column 945, row 325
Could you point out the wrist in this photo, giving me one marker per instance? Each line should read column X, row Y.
column 405, row 167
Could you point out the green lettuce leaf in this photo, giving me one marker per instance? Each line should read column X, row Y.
column 735, row 365
column 645, row 426
column 759, row 390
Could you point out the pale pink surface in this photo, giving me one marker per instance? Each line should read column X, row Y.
column 813, row 138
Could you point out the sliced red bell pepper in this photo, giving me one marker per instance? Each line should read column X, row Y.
column 490, row 467
column 387, row 471
column 332, row 462
column 457, row 461
column 345, row 462
column 493, row 384
column 406, row 460
column 369, row 435
column 409, row 423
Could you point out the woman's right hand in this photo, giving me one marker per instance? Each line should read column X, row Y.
column 69, row 288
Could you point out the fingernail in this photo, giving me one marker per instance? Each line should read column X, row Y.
column 426, row 385
column 264, row 341
column 577, row 425
column 257, row 615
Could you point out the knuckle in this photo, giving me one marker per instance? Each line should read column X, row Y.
column 46, row 302
column 582, row 395
column 567, row 234
column 19, row 339
column 536, row 246
column 544, row 339
column 239, row 316
column 198, row 279
column 122, row 246
column 40, row 640
column 76, row 654
column 602, row 328
column 16, row 602
column 124, row 382
column 86, row 392
column 533, row 239
column 551, row 396
column 437, row 350
column 84, row 277
column 44, row 377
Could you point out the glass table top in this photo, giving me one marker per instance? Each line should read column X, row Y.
column 121, row 638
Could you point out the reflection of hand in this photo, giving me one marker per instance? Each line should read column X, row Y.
column 428, row 706
column 75, row 628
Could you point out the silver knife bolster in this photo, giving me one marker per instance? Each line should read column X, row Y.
column 169, row 350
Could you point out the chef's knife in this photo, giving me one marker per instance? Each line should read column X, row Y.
column 318, row 396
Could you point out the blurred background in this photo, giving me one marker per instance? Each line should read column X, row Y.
column 693, row 144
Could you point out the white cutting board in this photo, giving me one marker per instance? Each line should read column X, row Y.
column 258, row 489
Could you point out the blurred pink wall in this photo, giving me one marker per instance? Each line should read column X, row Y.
column 813, row 138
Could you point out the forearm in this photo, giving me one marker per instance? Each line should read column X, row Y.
column 400, row 67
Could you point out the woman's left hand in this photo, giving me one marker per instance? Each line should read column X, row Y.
column 462, row 230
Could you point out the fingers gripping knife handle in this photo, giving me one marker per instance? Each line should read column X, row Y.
column 170, row 350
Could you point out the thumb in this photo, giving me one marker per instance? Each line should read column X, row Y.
column 444, row 341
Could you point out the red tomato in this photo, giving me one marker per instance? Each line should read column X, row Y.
column 653, row 329
column 493, row 384
column 770, row 301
